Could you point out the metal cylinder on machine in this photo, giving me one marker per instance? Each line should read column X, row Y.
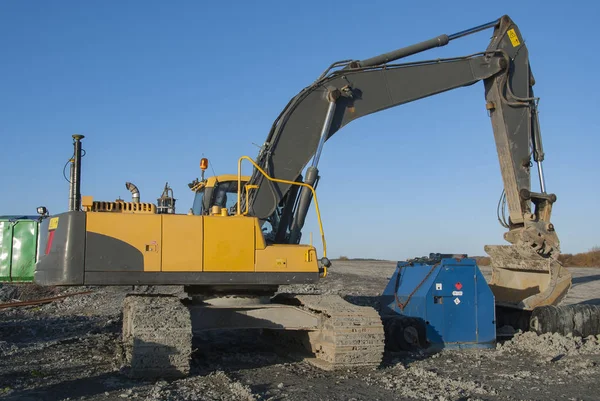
column 579, row 320
column 438, row 41
column 135, row 192
column 75, row 199
column 312, row 173
column 287, row 214
column 304, row 199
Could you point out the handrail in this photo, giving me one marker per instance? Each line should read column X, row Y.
column 268, row 177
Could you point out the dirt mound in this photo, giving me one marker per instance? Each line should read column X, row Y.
column 215, row 386
column 418, row 383
column 551, row 344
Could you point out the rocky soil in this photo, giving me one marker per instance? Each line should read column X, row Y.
column 67, row 350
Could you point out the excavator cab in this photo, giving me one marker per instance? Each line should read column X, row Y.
column 217, row 191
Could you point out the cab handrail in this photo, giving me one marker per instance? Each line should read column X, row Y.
column 268, row 177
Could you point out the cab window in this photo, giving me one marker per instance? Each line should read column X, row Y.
column 197, row 207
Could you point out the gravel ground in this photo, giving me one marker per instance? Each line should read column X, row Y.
column 67, row 350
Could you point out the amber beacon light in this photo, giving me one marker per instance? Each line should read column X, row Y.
column 203, row 163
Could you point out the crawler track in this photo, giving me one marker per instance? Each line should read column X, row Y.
column 157, row 336
column 349, row 335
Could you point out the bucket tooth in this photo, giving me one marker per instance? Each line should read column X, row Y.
column 348, row 335
column 523, row 279
column 157, row 337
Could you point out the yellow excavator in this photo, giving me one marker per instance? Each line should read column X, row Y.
column 241, row 240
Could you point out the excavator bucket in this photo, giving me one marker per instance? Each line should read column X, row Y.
column 523, row 279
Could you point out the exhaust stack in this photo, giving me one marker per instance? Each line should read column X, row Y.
column 135, row 192
column 75, row 183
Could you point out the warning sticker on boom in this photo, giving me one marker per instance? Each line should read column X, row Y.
column 514, row 39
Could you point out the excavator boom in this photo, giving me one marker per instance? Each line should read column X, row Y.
column 526, row 274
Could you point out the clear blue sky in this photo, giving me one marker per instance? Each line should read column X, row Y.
column 156, row 85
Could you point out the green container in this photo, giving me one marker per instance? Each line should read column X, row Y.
column 19, row 248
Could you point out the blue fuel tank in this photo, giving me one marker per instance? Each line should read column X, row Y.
column 439, row 302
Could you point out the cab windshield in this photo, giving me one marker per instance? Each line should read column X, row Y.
column 223, row 194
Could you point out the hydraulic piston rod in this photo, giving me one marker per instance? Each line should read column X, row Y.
column 438, row 41
column 312, row 172
column 324, row 132
column 538, row 149
column 473, row 30
column 541, row 175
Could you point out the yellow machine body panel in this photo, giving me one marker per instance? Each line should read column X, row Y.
column 229, row 243
column 286, row 258
column 182, row 249
column 189, row 243
column 140, row 231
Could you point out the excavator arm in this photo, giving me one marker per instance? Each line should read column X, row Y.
column 526, row 274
